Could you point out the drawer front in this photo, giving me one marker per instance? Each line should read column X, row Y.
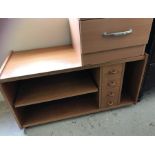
column 110, row 97
column 110, row 102
column 111, row 83
column 113, row 71
column 111, row 93
column 108, row 34
column 112, row 75
column 100, row 57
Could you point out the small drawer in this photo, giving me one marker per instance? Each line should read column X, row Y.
column 110, row 93
column 110, row 97
column 108, row 34
column 111, row 83
column 110, row 101
column 113, row 71
column 112, row 55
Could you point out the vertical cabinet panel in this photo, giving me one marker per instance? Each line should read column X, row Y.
column 97, row 77
column 9, row 91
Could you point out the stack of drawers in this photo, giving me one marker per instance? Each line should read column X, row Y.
column 111, row 85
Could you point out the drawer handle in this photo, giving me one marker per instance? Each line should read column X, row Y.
column 113, row 71
column 110, row 103
column 111, row 94
column 117, row 34
column 112, row 83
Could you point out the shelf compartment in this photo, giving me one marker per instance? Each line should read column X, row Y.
column 133, row 78
column 58, row 110
column 64, row 109
column 38, row 90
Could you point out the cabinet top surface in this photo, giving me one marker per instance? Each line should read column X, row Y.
column 38, row 61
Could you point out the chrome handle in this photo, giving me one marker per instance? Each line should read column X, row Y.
column 116, row 34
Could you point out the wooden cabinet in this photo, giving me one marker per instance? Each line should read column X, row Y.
column 51, row 96
column 98, row 74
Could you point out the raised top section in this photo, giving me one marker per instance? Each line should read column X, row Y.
column 25, row 63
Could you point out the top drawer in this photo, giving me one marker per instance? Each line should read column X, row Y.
column 108, row 34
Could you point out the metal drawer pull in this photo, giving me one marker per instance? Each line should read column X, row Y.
column 116, row 34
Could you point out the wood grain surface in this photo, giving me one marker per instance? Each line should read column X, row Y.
column 45, row 89
column 40, row 61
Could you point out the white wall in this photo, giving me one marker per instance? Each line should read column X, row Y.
column 22, row 34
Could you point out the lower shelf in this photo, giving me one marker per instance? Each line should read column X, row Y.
column 57, row 110
column 65, row 108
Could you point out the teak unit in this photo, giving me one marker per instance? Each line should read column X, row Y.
column 46, row 85
column 51, row 96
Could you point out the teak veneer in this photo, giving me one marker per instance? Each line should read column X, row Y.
column 51, row 84
column 31, row 62
column 46, row 98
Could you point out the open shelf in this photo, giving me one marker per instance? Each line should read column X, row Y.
column 65, row 108
column 38, row 61
column 38, row 90
column 133, row 77
column 60, row 109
